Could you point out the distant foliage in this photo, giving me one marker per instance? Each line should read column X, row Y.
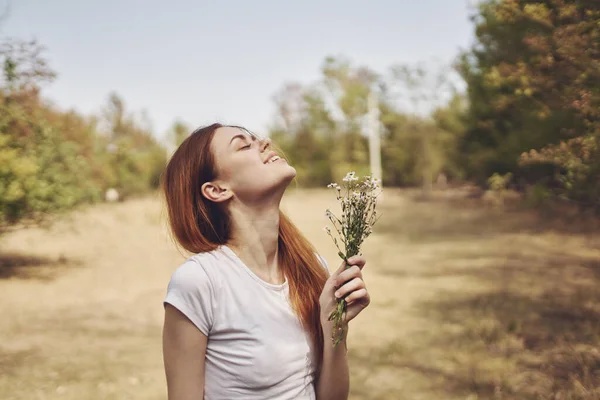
column 534, row 93
column 322, row 127
column 50, row 160
column 499, row 183
column 579, row 174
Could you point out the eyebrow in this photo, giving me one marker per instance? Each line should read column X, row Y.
column 241, row 136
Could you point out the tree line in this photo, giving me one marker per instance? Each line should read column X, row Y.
column 530, row 113
column 520, row 106
column 52, row 160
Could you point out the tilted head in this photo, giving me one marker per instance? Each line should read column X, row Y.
column 215, row 165
column 244, row 167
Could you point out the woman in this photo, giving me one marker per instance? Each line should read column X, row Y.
column 246, row 317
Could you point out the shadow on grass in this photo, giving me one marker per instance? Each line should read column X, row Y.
column 523, row 324
column 534, row 335
column 11, row 361
column 443, row 382
column 428, row 221
column 506, row 265
column 20, row 266
column 523, row 345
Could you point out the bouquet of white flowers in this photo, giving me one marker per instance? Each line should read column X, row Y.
column 358, row 199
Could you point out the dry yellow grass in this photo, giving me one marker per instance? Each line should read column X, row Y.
column 468, row 303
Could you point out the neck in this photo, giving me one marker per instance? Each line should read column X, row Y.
column 255, row 238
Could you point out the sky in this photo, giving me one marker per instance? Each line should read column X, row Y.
column 207, row 61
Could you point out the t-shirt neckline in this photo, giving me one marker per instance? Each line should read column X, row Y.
column 239, row 262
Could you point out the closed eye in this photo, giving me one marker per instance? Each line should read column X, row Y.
column 246, row 147
column 245, row 138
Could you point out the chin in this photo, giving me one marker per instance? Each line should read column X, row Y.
column 289, row 175
column 292, row 171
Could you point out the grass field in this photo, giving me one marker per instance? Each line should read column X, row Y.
column 469, row 302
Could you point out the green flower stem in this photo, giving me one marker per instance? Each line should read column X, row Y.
column 338, row 315
column 357, row 200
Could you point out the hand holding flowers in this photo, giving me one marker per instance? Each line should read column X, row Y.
column 358, row 201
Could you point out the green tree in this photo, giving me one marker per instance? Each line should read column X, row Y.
column 133, row 155
column 305, row 132
column 321, row 126
column 40, row 173
column 51, row 161
column 420, row 113
column 533, row 80
column 347, row 88
column 179, row 132
column 450, row 120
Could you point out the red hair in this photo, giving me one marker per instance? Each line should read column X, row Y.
column 200, row 225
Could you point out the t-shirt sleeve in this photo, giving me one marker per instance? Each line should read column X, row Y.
column 324, row 263
column 191, row 291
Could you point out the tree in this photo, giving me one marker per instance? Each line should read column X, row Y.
column 305, row 131
column 421, row 93
column 23, row 66
column 40, row 173
column 134, row 157
column 179, row 132
column 322, row 125
column 346, row 89
column 51, row 161
column 533, row 80
column 450, row 120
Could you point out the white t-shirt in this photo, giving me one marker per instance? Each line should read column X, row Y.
column 257, row 348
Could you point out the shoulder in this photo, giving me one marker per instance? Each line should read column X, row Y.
column 323, row 262
column 198, row 270
column 194, row 290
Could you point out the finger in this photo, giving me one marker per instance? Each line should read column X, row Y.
column 350, row 273
column 354, row 260
column 354, row 284
column 357, row 260
column 340, row 269
column 360, row 295
column 355, row 307
column 332, row 280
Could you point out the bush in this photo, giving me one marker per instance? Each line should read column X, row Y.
column 537, row 195
column 578, row 176
column 40, row 173
column 51, row 161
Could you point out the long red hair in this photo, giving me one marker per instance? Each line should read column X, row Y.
column 200, row 225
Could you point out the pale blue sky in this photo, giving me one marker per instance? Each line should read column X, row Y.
column 206, row 60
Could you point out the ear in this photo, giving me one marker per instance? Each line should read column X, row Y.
column 214, row 192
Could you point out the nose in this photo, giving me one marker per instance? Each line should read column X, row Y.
column 265, row 143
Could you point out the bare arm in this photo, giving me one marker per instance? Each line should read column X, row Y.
column 184, row 351
column 334, row 378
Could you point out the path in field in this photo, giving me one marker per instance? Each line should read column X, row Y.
column 82, row 302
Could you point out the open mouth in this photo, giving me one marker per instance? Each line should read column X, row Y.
column 271, row 158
